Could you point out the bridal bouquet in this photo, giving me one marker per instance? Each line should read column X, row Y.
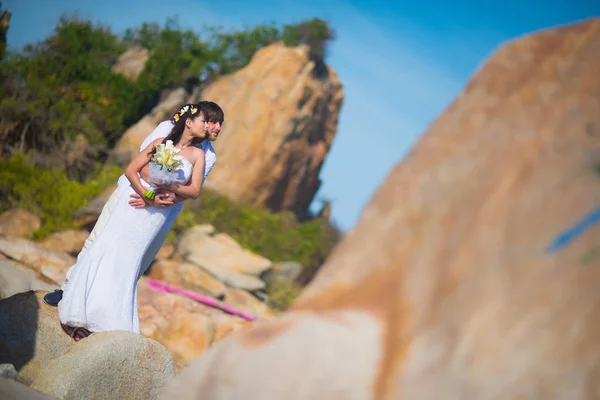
column 163, row 162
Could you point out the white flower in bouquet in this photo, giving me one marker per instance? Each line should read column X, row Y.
column 165, row 158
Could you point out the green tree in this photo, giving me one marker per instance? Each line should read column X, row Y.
column 315, row 33
column 230, row 51
column 60, row 92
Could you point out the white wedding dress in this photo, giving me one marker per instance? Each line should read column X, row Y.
column 101, row 293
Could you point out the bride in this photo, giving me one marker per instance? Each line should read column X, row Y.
column 101, row 293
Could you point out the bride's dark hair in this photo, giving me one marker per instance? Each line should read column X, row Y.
column 191, row 111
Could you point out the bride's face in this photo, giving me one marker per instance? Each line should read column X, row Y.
column 198, row 127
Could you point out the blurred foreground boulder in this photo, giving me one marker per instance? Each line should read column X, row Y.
column 473, row 272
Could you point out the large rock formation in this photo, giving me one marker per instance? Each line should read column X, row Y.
column 281, row 114
column 473, row 271
column 106, row 365
column 281, row 117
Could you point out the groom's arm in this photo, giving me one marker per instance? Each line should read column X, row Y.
column 161, row 130
column 166, row 199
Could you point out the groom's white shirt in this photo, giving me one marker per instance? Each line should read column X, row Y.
column 164, row 128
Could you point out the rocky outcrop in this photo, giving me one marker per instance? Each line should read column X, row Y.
column 18, row 222
column 132, row 62
column 106, row 365
column 187, row 276
column 50, row 265
column 16, row 278
column 223, row 257
column 70, row 241
column 30, row 334
column 480, row 278
column 281, row 119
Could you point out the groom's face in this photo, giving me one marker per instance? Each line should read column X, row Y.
column 213, row 130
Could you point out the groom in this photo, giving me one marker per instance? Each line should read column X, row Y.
column 215, row 117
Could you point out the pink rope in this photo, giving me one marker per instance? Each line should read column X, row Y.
column 166, row 288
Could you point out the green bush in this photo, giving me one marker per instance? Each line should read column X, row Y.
column 276, row 236
column 50, row 195
column 282, row 293
column 61, row 89
column 315, row 33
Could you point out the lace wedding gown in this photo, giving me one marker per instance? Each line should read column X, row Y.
column 101, row 293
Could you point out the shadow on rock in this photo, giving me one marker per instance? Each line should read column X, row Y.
column 19, row 315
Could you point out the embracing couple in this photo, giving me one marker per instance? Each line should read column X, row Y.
column 100, row 291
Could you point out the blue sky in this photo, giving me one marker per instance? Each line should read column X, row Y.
column 401, row 62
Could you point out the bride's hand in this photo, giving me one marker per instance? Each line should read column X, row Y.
column 162, row 200
column 137, row 201
column 166, row 196
column 159, row 201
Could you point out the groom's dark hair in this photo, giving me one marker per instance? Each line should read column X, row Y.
column 212, row 112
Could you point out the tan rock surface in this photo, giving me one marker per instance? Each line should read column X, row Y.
column 50, row 264
column 187, row 276
column 70, row 241
column 222, row 257
column 247, row 303
column 181, row 324
column 285, row 118
column 165, row 252
column 108, row 365
column 457, row 294
column 220, row 252
column 18, row 223
column 132, row 62
column 16, row 278
column 187, row 335
column 225, row 325
column 230, row 277
column 30, row 334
